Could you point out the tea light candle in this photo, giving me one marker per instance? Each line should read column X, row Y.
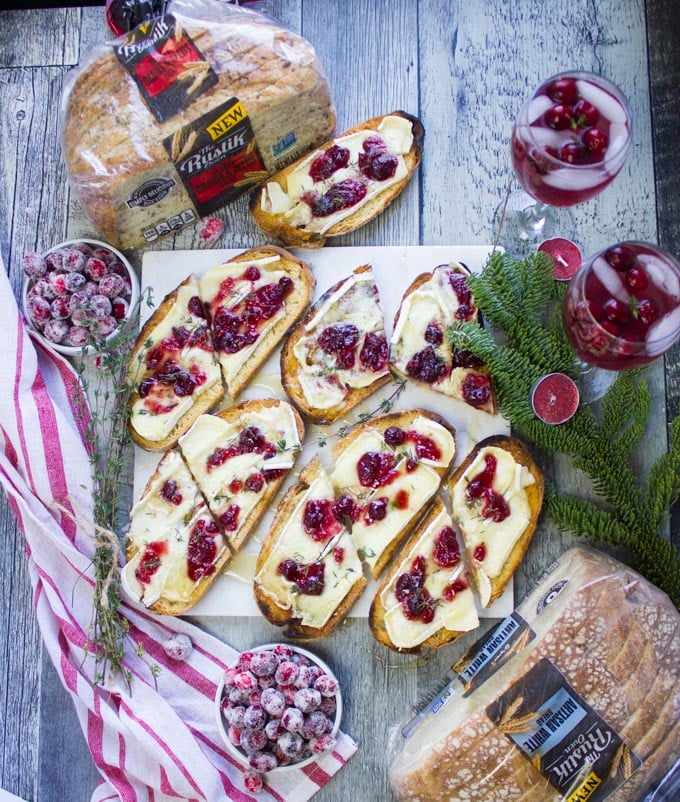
column 555, row 398
column 565, row 254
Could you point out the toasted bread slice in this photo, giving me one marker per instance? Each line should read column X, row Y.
column 308, row 574
column 387, row 470
column 496, row 500
column 173, row 370
column 174, row 549
column 420, row 350
column 239, row 457
column 425, row 600
column 337, row 355
column 252, row 301
column 342, row 185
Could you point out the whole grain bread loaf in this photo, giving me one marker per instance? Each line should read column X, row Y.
column 595, row 644
column 122, row 160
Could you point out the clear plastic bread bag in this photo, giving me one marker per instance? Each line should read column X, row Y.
column 170, row 122
column 574, row 696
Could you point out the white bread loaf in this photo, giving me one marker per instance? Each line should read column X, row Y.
column 596, row 644
column 137, row 175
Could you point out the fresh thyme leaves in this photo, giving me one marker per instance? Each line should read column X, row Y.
column 104, row 380
column 521, row 300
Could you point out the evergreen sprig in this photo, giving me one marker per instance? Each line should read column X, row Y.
column 524, row 340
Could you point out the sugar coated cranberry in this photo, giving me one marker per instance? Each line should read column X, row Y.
column 100, row 306
column 111, row 285
column 74, row 281
column 211, row 229
column 559, row 117
column 95, row 269
column 245, row 681
column 252, row 782
column 34, row 265
column 563, row 90
column 326, row 685
column 77, row 336
column 273, row 701
column 307, row 699
column 255, row 717
column 292, row 719
column 42, row 288
column 119, row 308
column 287, row 672
column 55, row 331
column 253, row 740
column 73, row 260
column 263, row 664
column 60, row 307
column 290, row 743
column 39, row 310
column 322, row 744
column 106, row 325
column 178, row 646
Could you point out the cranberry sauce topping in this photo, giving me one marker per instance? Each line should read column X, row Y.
column 446, row 552
column 427, row 366
column 319, row 519
column 344, row 508
column 202, row 549
column 238, row 327
column 476, row 389
column 331, row 160
column 425, row 447
column 479, row 553
column 309, row 579
column 450, row 591
column 376, row 162
column 342, row 195
column 374, row 352
column 250, row 441
column 376, row 469
column 229, row 518
column 416, row 601
column 195, row 306
column 170, row 375
column 170, row 493
column 376, row 510
column 494, row 505
column 151, row 561
column 340, row 339
column 466, row 306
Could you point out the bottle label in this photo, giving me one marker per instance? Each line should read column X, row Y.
column 166, row 65
column 574, row 748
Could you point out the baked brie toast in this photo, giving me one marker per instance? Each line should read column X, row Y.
column 337, row 355
column 496, row 499
column 343, row 184
column 420, row 350
column 425, row 600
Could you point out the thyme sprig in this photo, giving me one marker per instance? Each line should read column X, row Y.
column 521, row 303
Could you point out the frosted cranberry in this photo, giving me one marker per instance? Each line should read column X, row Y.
column 229, row 518
column 378, row 165
column 374, row 352
column 326, row 685
column 322, row 744
column 596, row 140
column 73, row 260
column 117, row 267
column 620, row 257
column 377, row 510
column 290, row 743
column 43, row 289
column 262, row 761
column 375, row 468
column 110, row 285
column 585, row 114
column 245, row 680
column 616, row 311
column 255, row 717
column 34, row 265
column 106, row 325
column 104, row 254
column 282, row 651
column 328, row 705
column 170, row 492
column 287, row 672
column 39, row 310
column 446, row 552
column 394, row 436
column 307, row 676
column 119, row 308
column 292, row 719
column 100, row 306
column 427, row 366
column 253, row 740
column 74, row 281
column 476, row 389
column 274, row 729
column 255, row 482
column 90, row 288
column 77, row 336
column 331, row 160
column 55, row 331
column 266, row 682
column 574, row 153
column 252, row 782
column 264, row 664
column 563, row 90
column 55, row 260
column 647, row 311
column 58, row 283
column 559, row 117
column 300, row 659
column 636, row 278
column 479, row 553
column 60, row 307
column 95, row 269
column 234, row 734
column 236, row 716
column 244, row 661
column 433, row 334
column 307, row 699
column 273, row 701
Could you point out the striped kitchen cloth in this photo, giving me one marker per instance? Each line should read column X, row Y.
column 158, row 739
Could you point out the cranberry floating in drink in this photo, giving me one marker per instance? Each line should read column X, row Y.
column 622, row 308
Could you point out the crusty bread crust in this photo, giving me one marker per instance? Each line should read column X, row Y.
column 376, row 615
column 491, row 406
column 402, row 419
column 272, row 487
column 296, row 303
column 291, row 368
column 534, row 493
column 280, row 617
column 300, row 237
column 203, row 402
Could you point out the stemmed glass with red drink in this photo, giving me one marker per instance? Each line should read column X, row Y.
column 570, row 140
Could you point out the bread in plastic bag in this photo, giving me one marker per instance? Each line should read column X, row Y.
column 170, row 122
column 575, row 696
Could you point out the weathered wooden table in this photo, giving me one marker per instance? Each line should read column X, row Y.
column 464, row 68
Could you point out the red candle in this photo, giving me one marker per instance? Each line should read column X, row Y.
column 555, row 398
column 565, row 254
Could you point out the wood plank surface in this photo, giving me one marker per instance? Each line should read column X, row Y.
column 464, row 68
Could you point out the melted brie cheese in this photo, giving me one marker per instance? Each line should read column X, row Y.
column 355, row 301
column 294, row 543
column 397, row 134
column 345, row 477
column 499, row 539
column 440, row 436
column 457, row 615
column 145, row 417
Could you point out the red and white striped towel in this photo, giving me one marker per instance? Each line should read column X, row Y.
column 157, row 740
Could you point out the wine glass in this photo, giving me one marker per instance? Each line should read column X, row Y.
column 569, row 141
column 621, row 310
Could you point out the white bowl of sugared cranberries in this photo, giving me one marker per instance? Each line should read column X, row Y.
column 78, row 294
column 278, row 707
